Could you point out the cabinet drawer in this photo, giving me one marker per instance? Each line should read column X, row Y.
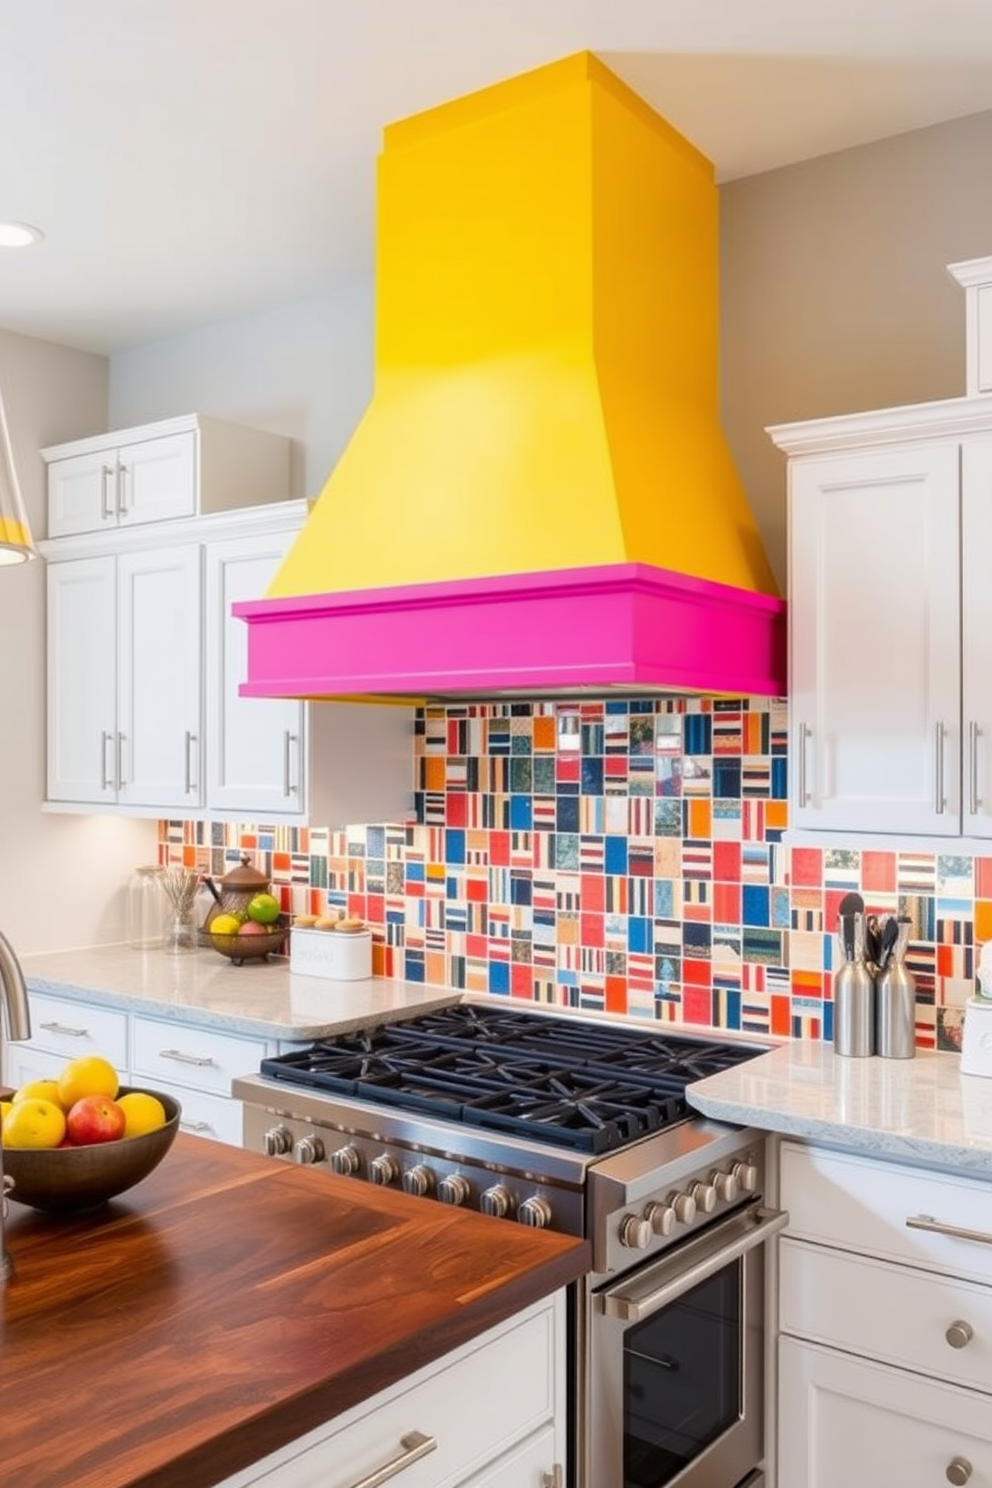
column 846, row 1423
column 76, row 1028
column 863, row 1205
column 198, row 1058
column 456, row 1403
column 216, row 1117
column 893, row 1314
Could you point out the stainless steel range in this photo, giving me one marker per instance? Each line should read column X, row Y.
column 581, row 1126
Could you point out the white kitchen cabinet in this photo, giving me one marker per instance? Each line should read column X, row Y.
column 176, row 468
column 124, row 679
column 282, row 759
column 890, row 622
column 494, row 1408
column 885, row 1324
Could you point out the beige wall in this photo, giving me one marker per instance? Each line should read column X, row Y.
column 835, row 295
column 60, row 876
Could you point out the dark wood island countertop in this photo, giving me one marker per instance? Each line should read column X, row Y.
column 230, row 1303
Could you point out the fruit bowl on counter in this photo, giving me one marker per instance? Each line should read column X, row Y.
column 249, row 933
column 71, row 1180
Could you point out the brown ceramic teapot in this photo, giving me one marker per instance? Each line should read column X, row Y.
column 237, row 889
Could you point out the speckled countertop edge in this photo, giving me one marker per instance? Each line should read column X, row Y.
column 920, row 1110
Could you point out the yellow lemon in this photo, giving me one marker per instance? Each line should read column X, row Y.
column 225, row 924
column 33, row 1123
column 38, row 1090
column 4, row 1108
column 90, row 1074
column 142, row 1113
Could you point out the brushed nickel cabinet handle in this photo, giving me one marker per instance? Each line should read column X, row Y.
column 974, row 734
column 940, row 801
column 415, row 1445
column 120, row 761
column 934, row 1226
column 288, row 786
column 195, row 1126
column 106, row 783
column 181, row 1058
column 555, row 1478
column 106, row 509
column 189, row 783
column 66, row 1032
column 122, row 474
column 958, row 1471
column 805, row 734
column 959, row 1334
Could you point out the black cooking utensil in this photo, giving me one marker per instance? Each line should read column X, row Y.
column 849, row 906
column 890, row 934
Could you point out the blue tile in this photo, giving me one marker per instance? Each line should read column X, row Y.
column 727, row 778
column 697, row 734
column 754, row 904
column 454, row 845
column 499, row 976
column 639, row 934
column 521, row 813
column 567, row 814
column 615, row 855
column 592, row 776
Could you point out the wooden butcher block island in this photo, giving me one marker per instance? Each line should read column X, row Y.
column 228, row 1305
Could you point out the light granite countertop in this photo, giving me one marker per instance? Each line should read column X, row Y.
column 921, row 1110
column 203, row 988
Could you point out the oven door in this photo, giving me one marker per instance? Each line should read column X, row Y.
column 676, row 1363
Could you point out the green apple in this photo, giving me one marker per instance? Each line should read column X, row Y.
column 263, row 909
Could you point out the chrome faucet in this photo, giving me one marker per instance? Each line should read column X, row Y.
column 14, row 998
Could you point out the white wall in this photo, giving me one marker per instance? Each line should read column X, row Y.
column 303, row 369
column 60, row 876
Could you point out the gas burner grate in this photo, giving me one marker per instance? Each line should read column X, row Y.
column 589, row 1086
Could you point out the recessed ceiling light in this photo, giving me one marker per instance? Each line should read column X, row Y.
column 19, row 235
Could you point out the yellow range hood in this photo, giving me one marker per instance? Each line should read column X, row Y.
column 539, row 497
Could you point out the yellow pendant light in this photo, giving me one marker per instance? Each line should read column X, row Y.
column 16, row 543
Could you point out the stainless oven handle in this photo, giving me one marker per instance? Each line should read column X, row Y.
column 633, row 1309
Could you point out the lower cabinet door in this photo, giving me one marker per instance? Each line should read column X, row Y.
column 846, row 1422
column 531, row 1465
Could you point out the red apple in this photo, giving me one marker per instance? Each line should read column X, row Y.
column 94, row 1118
column 252, row 927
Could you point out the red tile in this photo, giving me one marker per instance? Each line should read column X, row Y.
column 499, row 849
column 697, row 973
column 696, row 1005
column 727, row 862
column 616, row 994
column 983, row 878
column 591, row 931
column 806, row 867
column 522, row 980
column 476, row 890
column 781, row 1017
column 592, row 891
column 878, row 872
column 726, row 904
column 456, row 809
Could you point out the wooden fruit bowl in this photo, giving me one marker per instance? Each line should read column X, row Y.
column 69, row 1180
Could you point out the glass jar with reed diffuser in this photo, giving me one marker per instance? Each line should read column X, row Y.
column 179, row 935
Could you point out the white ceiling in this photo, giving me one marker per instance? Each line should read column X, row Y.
column 194, row 160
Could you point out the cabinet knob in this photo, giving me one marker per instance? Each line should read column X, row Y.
column 958, row 1471
column 959, row 1334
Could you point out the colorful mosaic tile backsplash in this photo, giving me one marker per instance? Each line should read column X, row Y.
column 622, row 856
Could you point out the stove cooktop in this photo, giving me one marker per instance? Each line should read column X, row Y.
column 584, row 1085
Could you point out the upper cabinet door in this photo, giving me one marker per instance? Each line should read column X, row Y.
column 156, row 479
column 976, row 636
column 159, row 665
column 82, row 680
column 256, row 754
column 875, row 605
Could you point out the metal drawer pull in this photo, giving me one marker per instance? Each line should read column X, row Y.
column 195, row 1126
column 959, row 1334
column 120, row 761
column 106, row 510
column 181, row 1058
column 958, row 1470
column 106, row 783
column 122, row 475
column 190, row 741
column 974, row 734
column 804, row 738
column 927, row 1222
column 761, row 1224
column 288, row 740
column 65, row 1031
column 415, row 1445
column 940, row 801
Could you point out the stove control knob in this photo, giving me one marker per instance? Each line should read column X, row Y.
column 747, row 1176
column 278, row 1140
column 454, row 1189
column 726, row 1185
column 635, row 1232
column 383, row 1170
column 661, row 1218
column 705, row 1197
column 418, row 1181
column 309, row 1150
column 684, row 1205
column 345, row 1161
column 496, row 1201
column 535, row 1212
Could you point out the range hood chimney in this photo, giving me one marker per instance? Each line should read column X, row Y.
column 539, row 498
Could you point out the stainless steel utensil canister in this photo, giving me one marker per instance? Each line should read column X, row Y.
column 854, row 993
column 895, row 1005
